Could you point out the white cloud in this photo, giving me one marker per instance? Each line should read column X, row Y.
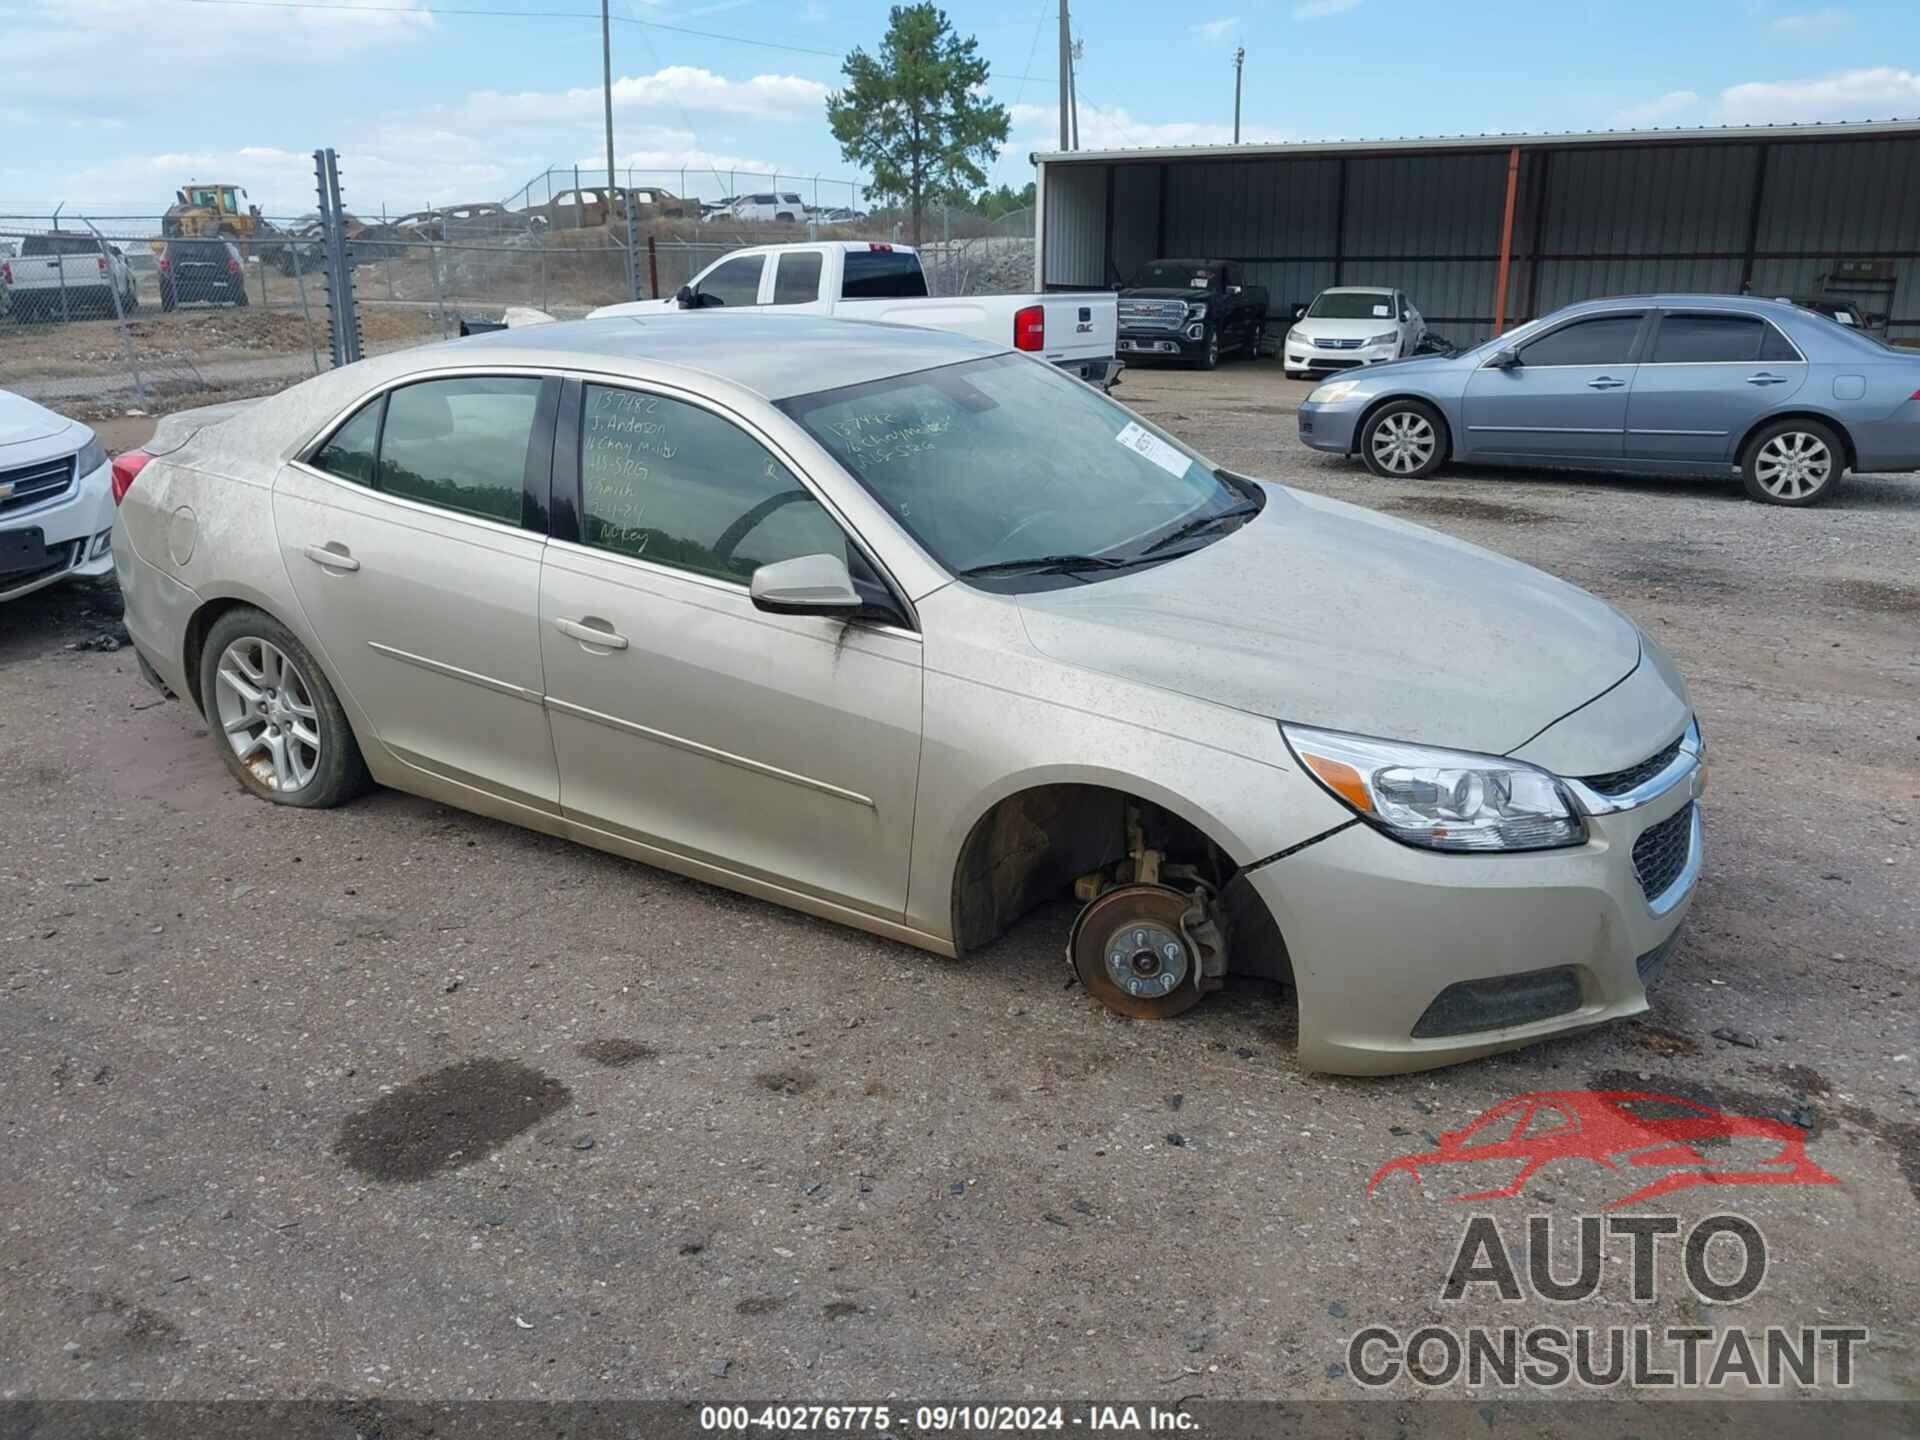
column 1215, row 29
column 1116, row 129
column 678, row 89
column 1660, row 110
column 1879, row 93
column 1830, row 17
column 1320, row 9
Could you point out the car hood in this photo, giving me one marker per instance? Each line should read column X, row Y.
column 1345, row 329
column 22, row 421
column 1331, row 615
column 1165, row 292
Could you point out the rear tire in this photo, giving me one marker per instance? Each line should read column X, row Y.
column 1404, row 440
column 280, row 727
column 1793, row 462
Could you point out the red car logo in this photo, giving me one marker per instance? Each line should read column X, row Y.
column 1621, row 1130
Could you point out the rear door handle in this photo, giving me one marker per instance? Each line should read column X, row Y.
column 1766, row 378
column 592, row 631
column 334, row 557
column 1605, row 382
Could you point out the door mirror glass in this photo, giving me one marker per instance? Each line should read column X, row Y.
column 1233, row 289
column 805, row 585
column 1299, row 310
column 1503, row 360
column 688, row 298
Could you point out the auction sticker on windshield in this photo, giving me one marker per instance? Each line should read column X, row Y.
column 1146, row 443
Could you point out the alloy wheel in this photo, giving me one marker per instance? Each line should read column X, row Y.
column 267, row 712
column 1403, row 442
column 1793, row 465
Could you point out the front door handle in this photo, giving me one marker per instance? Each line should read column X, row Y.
column 592, row 630
column 1604, row 382
column 333, row 555
column 1766, row 378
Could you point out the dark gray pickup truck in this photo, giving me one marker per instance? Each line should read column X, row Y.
column 1192, row 310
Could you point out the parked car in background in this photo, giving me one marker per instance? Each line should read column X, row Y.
column 783, row 206
column 56, row 505
column 67, row 274
column 902, row 630
column 862, row 280
column 201, row 272
column 1660, row 384
column 1193, row 310
column 1350, row 326
column 593, row 206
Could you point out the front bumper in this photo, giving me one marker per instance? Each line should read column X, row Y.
column 1378, row 932
column 75, row 532
column 1303, row 359
column 1330, row 427
column 1165, row 344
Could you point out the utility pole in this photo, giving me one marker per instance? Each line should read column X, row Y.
column 1239, row 60
column 1073, row 89
column 606, row 72
column 1066, row 76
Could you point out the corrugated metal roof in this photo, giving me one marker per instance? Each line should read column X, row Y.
column 1257, row 150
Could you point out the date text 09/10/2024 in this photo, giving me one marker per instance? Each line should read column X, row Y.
column 958, row 1419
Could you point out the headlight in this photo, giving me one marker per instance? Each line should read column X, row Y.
column 1333, row 392
column 1440, row 799
column 1196, row 309
column 1392, row 337
column 91, row 457
column 1294, row 337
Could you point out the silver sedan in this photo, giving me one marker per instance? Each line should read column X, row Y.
column 911, row 632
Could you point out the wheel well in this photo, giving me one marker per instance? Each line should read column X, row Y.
column 196, row 641
column 1031, row 847
column 1846, row 439
column 1360, row 425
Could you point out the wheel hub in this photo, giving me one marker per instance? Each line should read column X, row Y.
column 1146, row 959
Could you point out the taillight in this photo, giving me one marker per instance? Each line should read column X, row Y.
column 101, row 261
column 125, row 468
column 878, row 248
column 233, row 266
column 1030, row 328
column 166, row 265
column 6, row 273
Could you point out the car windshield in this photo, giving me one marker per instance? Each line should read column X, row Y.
column 1352, row 305
column 1002, row 463
column 1172, row 274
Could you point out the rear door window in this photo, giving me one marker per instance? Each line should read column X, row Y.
column 1708, row 339
column 1603, row 340
column 460, row 444
column 882, row 275
column 734, row 282
column 796, row 281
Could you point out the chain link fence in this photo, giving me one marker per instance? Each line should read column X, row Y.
column 100, row 315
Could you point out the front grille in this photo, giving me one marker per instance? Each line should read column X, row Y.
column 1338, row 344
column 1619, row 782
column 1661, row 852
column 1152, row 314
column 32, row 484
column 1321, row 362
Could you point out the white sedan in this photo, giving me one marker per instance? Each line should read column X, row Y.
column 1350, row 326
column 56, row 504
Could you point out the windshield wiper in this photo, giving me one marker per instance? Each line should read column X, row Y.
column 1042, row 564
column 1243, row 511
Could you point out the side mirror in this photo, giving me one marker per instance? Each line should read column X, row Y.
column 1504, row 360
column 805, row 585
column 688, row 298
column 1299, row 312
column 1233, row 289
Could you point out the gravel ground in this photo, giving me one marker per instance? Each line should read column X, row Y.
column 392, row 1100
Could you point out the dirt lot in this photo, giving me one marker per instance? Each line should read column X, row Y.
column 395, row 1101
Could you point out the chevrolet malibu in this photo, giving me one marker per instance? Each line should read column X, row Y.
column 1655, row 384
column 911, row 632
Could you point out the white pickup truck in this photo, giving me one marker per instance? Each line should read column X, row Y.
column 859, row 280
column 68, row 274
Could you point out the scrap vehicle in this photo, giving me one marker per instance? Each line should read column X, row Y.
column 69, row 274
column 204, row 271
column 862, row 280
column 56, row 509
column 1350, row 326
column 908, row 631
column 1192, row 310
column 590, row 207
column 1653, row 384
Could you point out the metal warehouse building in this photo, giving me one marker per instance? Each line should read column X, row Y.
column 1488, row 230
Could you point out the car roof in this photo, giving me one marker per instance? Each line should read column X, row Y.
column 1358, row 290
column 1735, row 304
column 773, row 356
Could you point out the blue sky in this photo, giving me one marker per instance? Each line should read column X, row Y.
column 110, row 104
